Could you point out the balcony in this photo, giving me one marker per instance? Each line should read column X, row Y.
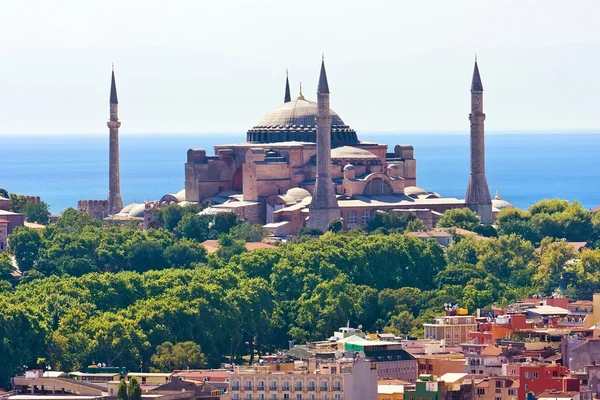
column 324, row 388
column 247, row 387
column 260, row 388
column 311, row 388
column 298, row 388
column 337, row 388
column 273, row 388
column 235, row 388
column 285, row 388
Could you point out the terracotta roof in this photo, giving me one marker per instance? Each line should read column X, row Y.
column 212, row 246
column 198, row 375
column 34, row 225
column 389, row 381
column 429, row 234
column 491, row 351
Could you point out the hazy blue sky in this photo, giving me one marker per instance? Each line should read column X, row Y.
column 219, row 66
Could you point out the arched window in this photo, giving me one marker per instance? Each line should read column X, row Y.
column 366, row 218
column 352, row 220
column 377, row 186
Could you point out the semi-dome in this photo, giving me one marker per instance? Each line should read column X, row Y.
column 137, row 211
column 298, row 194
column 351, row 153
column 295, row 121
column 128, row 208
column 414, row 191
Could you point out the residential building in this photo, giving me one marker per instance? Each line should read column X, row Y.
column 497, row 388
column 454, row 329
column 425, row 388
column 440, row 364
column 540, row 377
column 350, row 379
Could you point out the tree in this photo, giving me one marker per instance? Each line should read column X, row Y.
column 25, row 243
column 185, row 253
column 122, row 392
column 17, row 202
column 134, row 391
column 460, row 218
column 389, row 221
column 193, row 226
column 4, row 193
column 169, row 357
column 336, row 226
column 73, row 221
column 400, row 324
column 37, row 212
column 6, row 267
column 145, row 256
column 223, row 222
column 229, row 247
column 247, row 232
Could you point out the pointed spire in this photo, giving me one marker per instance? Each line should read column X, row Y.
column 476, row 83
column 497, row 195
column 287, row 97
column 113, row 88
column 323, row 85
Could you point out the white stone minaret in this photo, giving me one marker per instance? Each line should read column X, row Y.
column 115, row 203
column 324, row 207
column 478, row 193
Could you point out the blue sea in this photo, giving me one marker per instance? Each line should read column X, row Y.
column 525, row 168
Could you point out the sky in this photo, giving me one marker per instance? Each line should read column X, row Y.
column 219, row 66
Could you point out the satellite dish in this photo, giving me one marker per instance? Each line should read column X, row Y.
column 360, row 327
column 361, row 354
column 103, row 365
column 99, row 365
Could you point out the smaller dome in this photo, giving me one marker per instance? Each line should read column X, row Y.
column 128, row 208
column 414, row 191
column 351, row 153
column 298, row 194
column 393, row 166
column 137, row 211
column 180, row 195
column 349, row 167
column 501, row 204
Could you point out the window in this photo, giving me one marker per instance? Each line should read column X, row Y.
column 337, row 396
column 286, row 385
column 261, row 396
column 248, row 385
column 249, row 396
column 274, row 396
column 535, row 375
column 235, row 385
column 366, row 218
column 497, row 398
column 286, row 396
column 468, row 320
column 311, row 386
column 480, row 392
column 311, row 396
column 236, row 396
column 298, row 386
column 337, row 386
column 352, row 219
column 512, row 392
column 273, row 385
column 377, row 186
column 527, row 375
column 260, row 385
column 526, row 387
column 324, row 387
column 324, row 396
column 299, row 396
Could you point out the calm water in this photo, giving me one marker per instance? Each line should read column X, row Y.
column 524, row 167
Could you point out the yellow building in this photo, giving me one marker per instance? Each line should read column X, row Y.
column 149, row 378
column 497, row 388
column 339, row 380
column 390, row 392
column 454, row 329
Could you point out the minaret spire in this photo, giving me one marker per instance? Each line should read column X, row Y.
column 288, row 97
column 323, row 207
column 115, row 203
column 478, row 193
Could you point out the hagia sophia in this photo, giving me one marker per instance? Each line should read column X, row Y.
column 303, row 165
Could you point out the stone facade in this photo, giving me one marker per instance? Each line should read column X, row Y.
column 478, row 193
column 95, row 208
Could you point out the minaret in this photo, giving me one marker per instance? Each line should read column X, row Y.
column 324, row 207
column 478, row 192
column 287, row 98
column 115, row 203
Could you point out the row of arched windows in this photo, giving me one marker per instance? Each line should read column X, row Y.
column 286, row 385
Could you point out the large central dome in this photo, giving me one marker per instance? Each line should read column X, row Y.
column 295, row 121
